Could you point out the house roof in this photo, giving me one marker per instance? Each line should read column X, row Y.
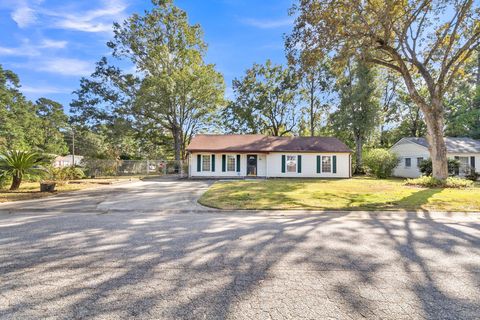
column 454, row 145
column 262, row 143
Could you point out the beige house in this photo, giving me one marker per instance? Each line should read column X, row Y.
column 254, row 155
column 412, row 151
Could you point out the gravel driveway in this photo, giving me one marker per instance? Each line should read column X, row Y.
column 146, row 250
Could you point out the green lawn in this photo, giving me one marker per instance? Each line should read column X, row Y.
column 345, row 194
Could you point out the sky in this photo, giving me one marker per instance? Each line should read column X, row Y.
column 51, row 44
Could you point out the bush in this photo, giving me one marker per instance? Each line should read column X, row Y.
column 472, row 174
column 66, row 173
column 431, row 182
column 380, row 162
column 426, row 167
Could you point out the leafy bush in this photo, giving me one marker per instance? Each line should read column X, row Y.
column 431, row 182
column 472, row 174
column 18, row 165
column 3, row 181
column 65, row 173
column 380, row 162
column 426, row 167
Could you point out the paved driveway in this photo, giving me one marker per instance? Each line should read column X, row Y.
column 109, row 255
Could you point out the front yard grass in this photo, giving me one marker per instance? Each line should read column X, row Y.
column 358, row 193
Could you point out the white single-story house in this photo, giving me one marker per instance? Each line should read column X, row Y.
column 255, row 155
column 412, row 151
column 67, row 161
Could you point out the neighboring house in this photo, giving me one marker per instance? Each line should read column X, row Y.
column 67, row 161
column 254, row 155
column 413, row 150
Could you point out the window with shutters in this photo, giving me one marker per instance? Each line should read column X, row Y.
column 206, row 162
column 291, row 163
column 231, row 162
column 326, row 164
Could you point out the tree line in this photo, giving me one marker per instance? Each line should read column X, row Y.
column 367, row 74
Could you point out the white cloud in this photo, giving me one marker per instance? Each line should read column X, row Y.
column 97, row 20
column 43, row 89
column 268, row 24
column 49, row 43
column 27, row 49
column 65, row 66
column 23, row 15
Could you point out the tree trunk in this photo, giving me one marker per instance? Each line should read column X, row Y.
column 358, row 154
column 16, row 181
column 312, row 110
column 177, row 143
column 438, row 149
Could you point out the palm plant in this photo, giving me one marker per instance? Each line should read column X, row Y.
column 18, row 164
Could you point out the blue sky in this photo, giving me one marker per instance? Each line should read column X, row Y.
column 51, row 44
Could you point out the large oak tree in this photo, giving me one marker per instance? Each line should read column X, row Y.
column 429, row 39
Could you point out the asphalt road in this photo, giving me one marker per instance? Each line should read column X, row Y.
column 145, row 250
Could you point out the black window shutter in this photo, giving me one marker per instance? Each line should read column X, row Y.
column 213, row 163
column 457, row 170
column 283, row 163
column 238, row 163
column 299, row 164
column 334, row 164
column 318, row 164
column 224, row 160
column 199, row 163
column 472, row 162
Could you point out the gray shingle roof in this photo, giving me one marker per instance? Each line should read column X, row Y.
column 454, row 145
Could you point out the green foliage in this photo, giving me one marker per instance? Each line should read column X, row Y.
column 472, row 174
column 426, row 167
column 29, row 126
column 380, row 162
column 359, row 110
column 65, row 173
column 264, row 101
column 173, row 94
column 20, row 164
column 431, row 182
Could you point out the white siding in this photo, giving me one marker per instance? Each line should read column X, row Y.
column 270, row 165
column 309, row 165
column 476, row 155
column 218, row 166
column 406, row 149
column 409, row 150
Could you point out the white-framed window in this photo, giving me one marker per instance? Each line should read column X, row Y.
column 231, row 162
column 326, row 164
column 291, row 163
column 408, row 162
column 206, row 162
column 464, row 164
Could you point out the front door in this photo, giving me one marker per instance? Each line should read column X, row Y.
column 251, row 164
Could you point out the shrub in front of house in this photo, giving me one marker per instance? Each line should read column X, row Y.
column 425, row 167
column 380, row 163
column 472, row 174
column 431, row 182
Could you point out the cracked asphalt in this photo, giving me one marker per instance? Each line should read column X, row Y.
column 146, row 250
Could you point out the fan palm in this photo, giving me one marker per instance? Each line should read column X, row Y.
column 17, row 164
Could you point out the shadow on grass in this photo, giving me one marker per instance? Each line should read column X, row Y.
column 257, row 196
